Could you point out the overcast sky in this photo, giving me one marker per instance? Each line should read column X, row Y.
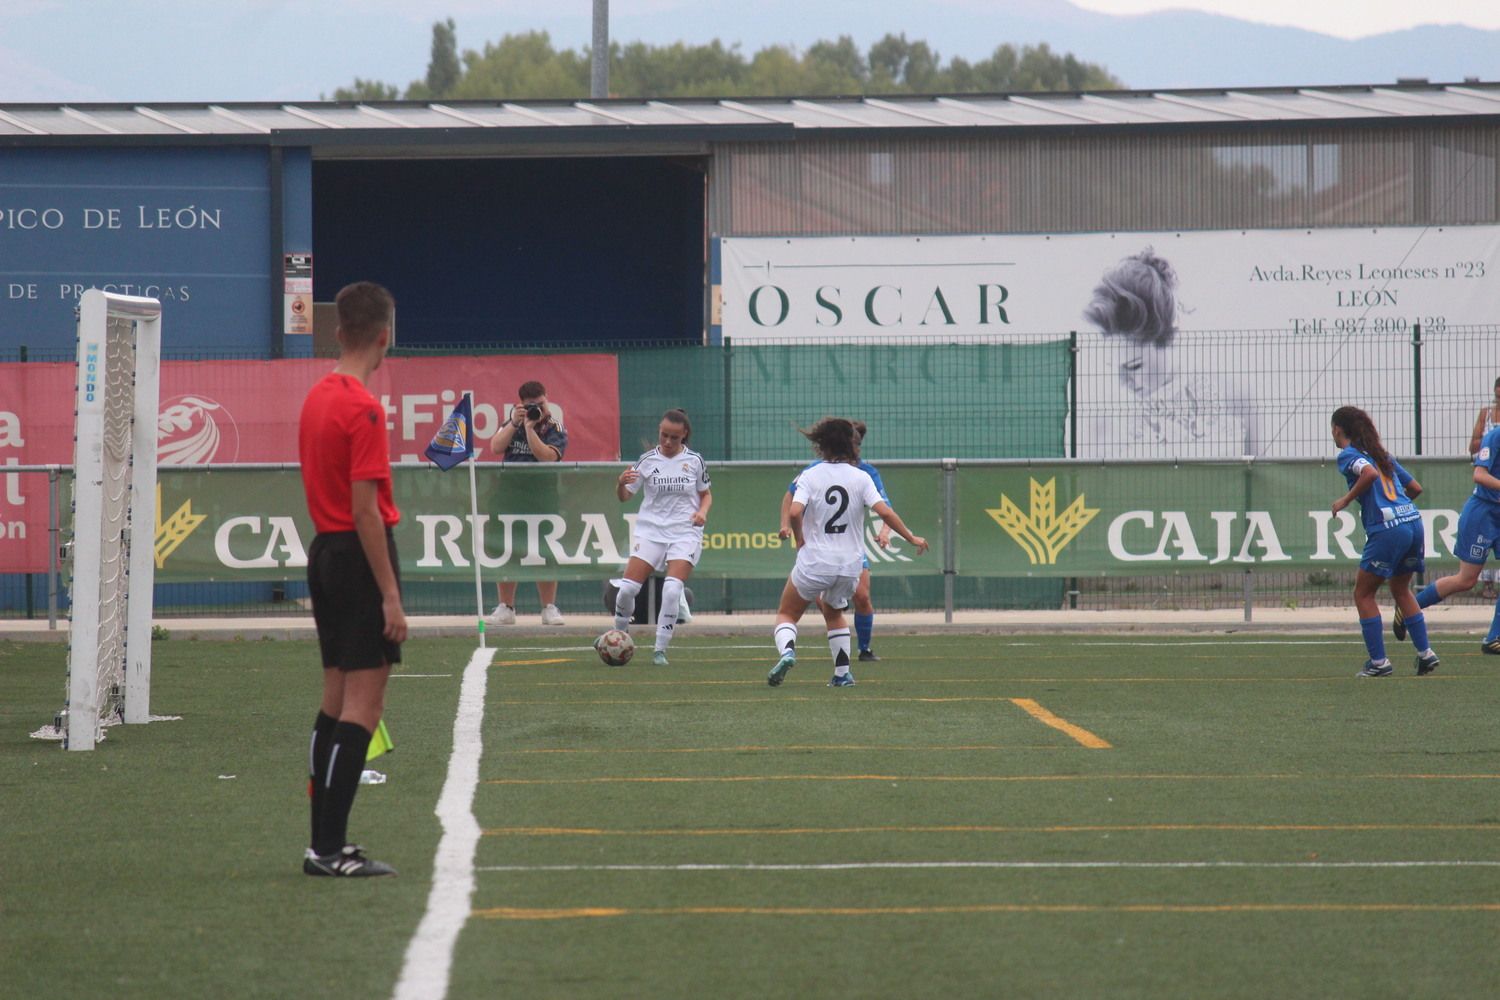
column 274, row 50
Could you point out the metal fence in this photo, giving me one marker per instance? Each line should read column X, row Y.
column 1210, row 395
column 1061, row 533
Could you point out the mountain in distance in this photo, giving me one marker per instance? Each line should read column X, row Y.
column 1169, row 49
column 239, row 50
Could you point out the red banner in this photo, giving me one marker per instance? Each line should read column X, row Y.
column 246, row 411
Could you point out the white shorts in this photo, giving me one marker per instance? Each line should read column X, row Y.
column 813, row 582
column 658, row 554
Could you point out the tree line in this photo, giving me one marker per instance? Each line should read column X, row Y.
column 527, row 66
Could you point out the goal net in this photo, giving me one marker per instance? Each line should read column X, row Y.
column 113, row 550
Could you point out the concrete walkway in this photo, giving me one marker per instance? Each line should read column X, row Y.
column 1445, row 621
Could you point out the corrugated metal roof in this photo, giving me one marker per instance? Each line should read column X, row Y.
column 26, row 123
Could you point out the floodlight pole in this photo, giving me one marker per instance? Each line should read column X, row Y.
column 599, row 75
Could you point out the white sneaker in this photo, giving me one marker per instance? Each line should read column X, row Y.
column 503, row 614
column 684, row 613
column 550, row 615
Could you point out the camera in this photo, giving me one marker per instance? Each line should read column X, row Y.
column 533, row 411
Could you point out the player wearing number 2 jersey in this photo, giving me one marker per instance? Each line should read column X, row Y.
column 827, row 521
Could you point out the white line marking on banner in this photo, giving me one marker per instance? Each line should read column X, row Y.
column 429, row 956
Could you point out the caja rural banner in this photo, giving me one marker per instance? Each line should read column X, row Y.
column 1092, row 520
column 1273, row 328
column 536, row 522
column 1039, row 520
column 247, row 411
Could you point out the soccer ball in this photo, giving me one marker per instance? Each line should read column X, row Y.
column 615, row 647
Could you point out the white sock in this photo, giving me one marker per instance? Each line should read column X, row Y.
column 786, row 637
column 838, row 645
column 671, row 596
column 625, row 603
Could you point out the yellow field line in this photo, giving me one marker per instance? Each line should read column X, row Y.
column 997, row 679
column 565, row 831
column 793, row 747
column 1045, row 717
column 732, row 779
column 770, row 699
column 569, row 913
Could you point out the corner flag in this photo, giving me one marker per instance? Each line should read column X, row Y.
column 380, row 742
column 454, row 441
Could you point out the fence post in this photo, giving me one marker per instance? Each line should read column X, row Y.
column 950, row 535
column 54, row 532
column 1416, row 383
column 1249, row 570
column 1073, row 435
column 728, row 443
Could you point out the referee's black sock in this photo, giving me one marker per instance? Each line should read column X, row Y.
column 317, row 766
column 346, row 762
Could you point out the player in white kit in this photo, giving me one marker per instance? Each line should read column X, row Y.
column 669, row 527
column 827, row 519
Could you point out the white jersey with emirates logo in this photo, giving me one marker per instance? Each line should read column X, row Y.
column 672, row 486
column 834, row 496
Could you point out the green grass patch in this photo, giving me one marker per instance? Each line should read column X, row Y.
column 1260, row 824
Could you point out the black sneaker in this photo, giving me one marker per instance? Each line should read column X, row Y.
column 867, row 656
column 1398, row 626
column 1492, row 647
column 1373, row 669
column 348, row 863
column 1427, row 664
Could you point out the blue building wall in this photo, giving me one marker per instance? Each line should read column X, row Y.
column 190, row 226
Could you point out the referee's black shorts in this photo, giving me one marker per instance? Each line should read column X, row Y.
column 346, row 602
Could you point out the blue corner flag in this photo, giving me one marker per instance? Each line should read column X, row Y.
column 454, row 441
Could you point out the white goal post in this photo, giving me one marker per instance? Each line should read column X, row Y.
column 113, row 543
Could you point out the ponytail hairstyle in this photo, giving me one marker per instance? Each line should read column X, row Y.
column 835, row 439
column 860, row 430
column 677, row 415
column 1360, row 430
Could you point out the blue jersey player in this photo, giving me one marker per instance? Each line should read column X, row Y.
column 864, row 608
column 1478, row 536
column 1394, row 545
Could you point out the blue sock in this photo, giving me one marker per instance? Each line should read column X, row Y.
column 1494, row 625
column 1428, row 596
column 1416, row 629
column 1374, row 637
column 864, row 626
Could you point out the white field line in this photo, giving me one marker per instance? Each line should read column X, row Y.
column 584, row 646
column 890, row 865
column 429, row 956
column 398, row 676
column 1227, row 642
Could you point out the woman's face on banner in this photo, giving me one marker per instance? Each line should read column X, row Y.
column 1143, row 366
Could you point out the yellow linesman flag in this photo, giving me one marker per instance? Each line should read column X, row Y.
column 380, row 742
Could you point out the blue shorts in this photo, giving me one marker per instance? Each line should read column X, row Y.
column 1397, row 551
column 1478, row 531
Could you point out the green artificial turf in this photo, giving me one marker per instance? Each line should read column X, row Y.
column 1260, row 824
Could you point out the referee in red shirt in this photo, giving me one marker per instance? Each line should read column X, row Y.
column 352, row 573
